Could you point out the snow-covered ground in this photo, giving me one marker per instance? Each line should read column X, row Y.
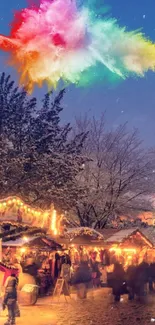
column 98, row 309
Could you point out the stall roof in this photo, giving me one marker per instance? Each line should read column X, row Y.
column 12, row 231
column 81, row 236
column 124, row 234
column 40, row 241
column 18, row 242
column 107, row 233
column 73, row 233
column 150, row 234
column 121, row 235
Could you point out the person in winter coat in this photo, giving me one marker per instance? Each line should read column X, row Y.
column 131, row 283
column 141, row 278
column 118, row 280
column 151, row 275
column 81, row 278
column 96, row 274
column 10, row 299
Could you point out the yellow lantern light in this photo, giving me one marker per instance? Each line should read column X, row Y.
column 53, row 223
column 25, row 239
column 130, row 250
column 26, row 210
column 23, row 250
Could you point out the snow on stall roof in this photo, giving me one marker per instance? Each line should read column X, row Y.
column 107, row 232
column 81, row 231
column 45, row 241
column 18, row 242
column 149, row 233
column 121, row 235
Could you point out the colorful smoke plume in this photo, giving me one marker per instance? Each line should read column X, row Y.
column 69, row 41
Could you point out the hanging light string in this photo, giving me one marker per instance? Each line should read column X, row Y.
column 7, row 203
column 41, row 216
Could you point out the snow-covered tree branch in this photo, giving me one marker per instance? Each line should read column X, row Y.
column 118, row 177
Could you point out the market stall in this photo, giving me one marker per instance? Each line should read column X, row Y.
column 86, row 244
column 24, row 241
column 81, row 242
column 34, row 256
column 128, row 246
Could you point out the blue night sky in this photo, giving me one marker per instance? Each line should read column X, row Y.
column 133, row 100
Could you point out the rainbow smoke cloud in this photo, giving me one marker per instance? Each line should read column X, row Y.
column 62, row 40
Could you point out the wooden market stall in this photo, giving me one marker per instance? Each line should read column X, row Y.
column 129, row 246
column 81, row 243
column 149, row 232
column 86, row 244
column 35, row 256
column 23, row 233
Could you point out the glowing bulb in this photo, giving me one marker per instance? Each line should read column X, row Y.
column 23, row 250
column 53, row 223
column 25, row 238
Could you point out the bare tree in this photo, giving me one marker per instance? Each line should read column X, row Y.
column 118, row 176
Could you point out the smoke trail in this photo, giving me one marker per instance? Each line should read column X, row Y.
column 73, row 42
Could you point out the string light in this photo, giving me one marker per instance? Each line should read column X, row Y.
column 119, row 250
column 23, row 250
column 25, row 239
column 83, row 231
column 41, row 216
column 53, row 224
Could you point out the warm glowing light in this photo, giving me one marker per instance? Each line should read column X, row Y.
column 23, row 250
column 119, row 250
column 53, row 224
column 129, row 257
column 116, row 250
column 25, row 238
column 26, row 212
column 133, row 250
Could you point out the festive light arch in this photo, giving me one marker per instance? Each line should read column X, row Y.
column 15, row 209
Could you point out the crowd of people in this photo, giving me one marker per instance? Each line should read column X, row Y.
column 135, row 280
column 131, row 280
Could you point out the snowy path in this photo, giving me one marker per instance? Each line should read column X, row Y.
column 97, row 310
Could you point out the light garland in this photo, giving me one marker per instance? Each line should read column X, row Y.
column 83, row 231
column 53, row 223
column 21, row 210
column 9, row 202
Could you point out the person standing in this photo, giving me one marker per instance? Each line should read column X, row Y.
column 10, row 299
column 81, row 279
column 118, row 278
